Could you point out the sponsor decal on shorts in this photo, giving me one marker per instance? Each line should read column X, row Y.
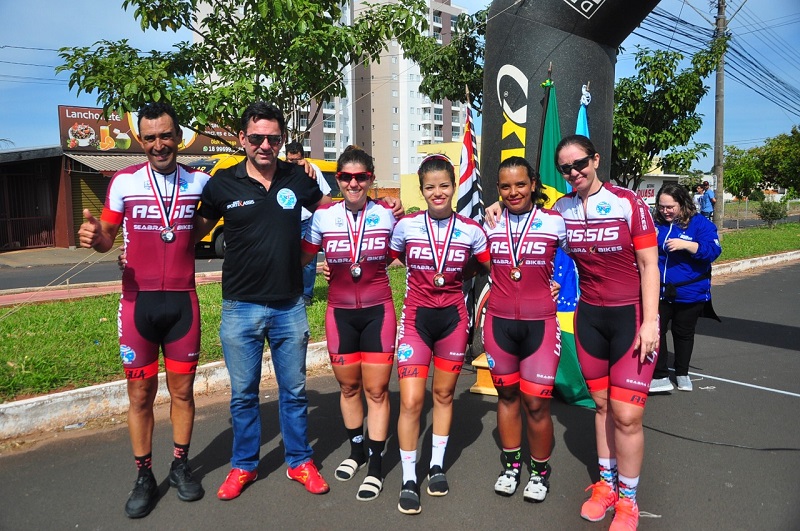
column 127, row 354
column 490, row 360
column 404, row 352
column 286, row 198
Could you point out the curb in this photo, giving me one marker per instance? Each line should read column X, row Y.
column 75, row 407
column 72, row 408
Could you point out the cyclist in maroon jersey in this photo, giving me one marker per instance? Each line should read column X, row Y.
column 360, row 322
column 436, row 246
column 521, row 333
column 613, row 242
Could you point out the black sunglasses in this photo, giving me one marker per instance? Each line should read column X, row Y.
column 361, row 177
column 566, row 169
column 257, row 140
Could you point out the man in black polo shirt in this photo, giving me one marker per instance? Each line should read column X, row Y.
column 262, row 287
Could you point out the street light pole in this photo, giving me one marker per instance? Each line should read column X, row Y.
column 719, row 120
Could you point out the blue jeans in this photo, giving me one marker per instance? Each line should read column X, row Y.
column 245, row 326
column 310, row 270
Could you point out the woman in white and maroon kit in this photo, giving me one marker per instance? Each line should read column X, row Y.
column 521, row 333
column 435, row 245
column 360, row 322
column 613, row 242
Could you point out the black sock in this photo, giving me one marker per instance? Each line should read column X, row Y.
column 511, row 459
column 375, row 458
column 144, row 464
column 180, row 452
column 539, row 468
column 356, row 437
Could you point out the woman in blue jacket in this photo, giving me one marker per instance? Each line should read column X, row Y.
column 687, row 244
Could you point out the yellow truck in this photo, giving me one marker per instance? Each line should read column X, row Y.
column 215, row 239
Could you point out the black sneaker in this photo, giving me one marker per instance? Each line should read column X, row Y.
column 143, row 496
column 437, row 482
column 180, row 476
column 409, row 498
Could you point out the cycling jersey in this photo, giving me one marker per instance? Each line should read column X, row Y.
column 332, row 229
column 603, row 237
column 133, row 202
column 530, row 259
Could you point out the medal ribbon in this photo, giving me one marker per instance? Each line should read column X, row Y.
column 439, row 259
column 516, row 250
column 167, row 216
column 355, row 231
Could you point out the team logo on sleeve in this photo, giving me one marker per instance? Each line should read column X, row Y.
column 287, row 199
column 404, row 352
column 372, row 220
column 127, row 354
column 603, row 208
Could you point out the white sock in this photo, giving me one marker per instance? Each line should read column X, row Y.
column 408, row 459
column 439, row 443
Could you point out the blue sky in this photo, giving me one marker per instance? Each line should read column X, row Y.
column 31, row 92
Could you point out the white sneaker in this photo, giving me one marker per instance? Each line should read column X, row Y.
column 536, row 489
column 684, row 383
column 507, row 483
column 663, row 385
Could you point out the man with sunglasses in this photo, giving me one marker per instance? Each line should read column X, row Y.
column 262, row 286
column 296, row 155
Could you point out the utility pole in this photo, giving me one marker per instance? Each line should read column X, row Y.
column 719, row 120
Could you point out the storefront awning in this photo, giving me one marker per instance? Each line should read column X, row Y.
column 110, row 164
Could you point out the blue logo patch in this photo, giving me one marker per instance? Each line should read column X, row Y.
column 456, row 233
column 490, row 360
column 183, row 186
column 537, row 224
column 404, row 352
column 286, row 198
column 127, row 354
column 372, row 220
column 603, row 208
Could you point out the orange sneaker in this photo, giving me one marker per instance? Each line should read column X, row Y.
column 626, row 516
column 603, row 498
column 308, row 475
column 235, row 483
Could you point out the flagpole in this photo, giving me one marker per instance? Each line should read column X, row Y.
column 547, row 84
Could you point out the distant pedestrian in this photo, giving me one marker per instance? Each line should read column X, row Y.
column 295, row 154
column 155, row 203
column 709, row 202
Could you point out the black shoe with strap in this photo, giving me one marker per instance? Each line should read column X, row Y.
column 143, row 496
column 180, row 477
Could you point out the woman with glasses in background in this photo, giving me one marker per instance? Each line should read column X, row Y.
column 687, row 245
column 360, row 321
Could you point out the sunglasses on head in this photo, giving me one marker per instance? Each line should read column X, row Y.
column 257, row 140
column 579, row 164
column 361, row 177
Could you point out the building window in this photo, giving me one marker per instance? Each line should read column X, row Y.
column 395, row 110
column 395, row 160
column 395, row 127
column 329, row 124
column 394, row 59
column 394, row 94
column 437, row 115
column 395, row 143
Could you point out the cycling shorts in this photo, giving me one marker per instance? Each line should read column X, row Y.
column 425, row 333
column 523, row 351
column 361, row 334
column 149, row 320
column 604, row 338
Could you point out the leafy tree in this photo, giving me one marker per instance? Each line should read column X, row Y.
column 289, row 52
column 447, row 70
column 655, row 113
column 779, row 160
column 742, row 174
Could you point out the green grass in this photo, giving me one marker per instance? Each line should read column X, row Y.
column 62, row 345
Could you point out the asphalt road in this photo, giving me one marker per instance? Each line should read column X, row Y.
column 725, row 456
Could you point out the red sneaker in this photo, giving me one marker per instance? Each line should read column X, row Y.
column 603, row 498
column 626, row 516
column 235, row 483
column 308, row 475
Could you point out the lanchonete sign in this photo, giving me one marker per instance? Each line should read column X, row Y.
column 84, row 130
